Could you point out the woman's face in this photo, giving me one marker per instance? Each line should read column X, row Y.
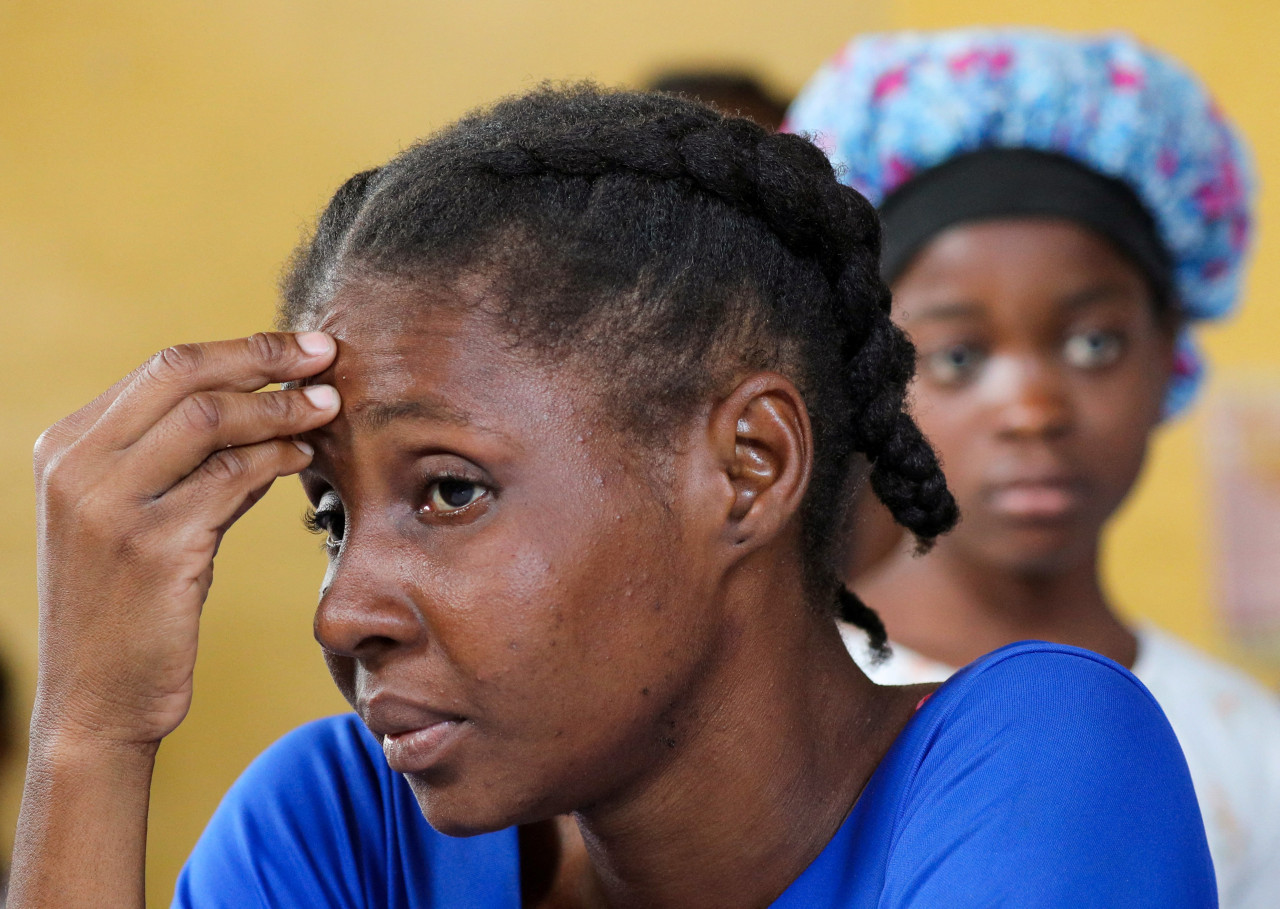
column 518, row 612
column 1042, row 370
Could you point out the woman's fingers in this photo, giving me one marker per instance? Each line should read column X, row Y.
column 242, row 365
column 134, row 492
column 210, row 421
column 227, row 483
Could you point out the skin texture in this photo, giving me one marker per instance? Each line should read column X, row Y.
column 562, row 626
column 1042, row 370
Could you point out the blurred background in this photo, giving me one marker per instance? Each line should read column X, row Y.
column 162, row 157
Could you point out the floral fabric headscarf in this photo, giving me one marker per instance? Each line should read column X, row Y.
column 888, row 107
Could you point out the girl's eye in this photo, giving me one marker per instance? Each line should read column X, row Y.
column 953, row 365
column 1093, row 349
column 329, row 519
column 449, row 496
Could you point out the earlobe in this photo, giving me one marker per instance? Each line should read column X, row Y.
column 763, row 435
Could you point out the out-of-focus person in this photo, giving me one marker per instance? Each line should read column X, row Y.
column 1059, row 211
column 732, row 91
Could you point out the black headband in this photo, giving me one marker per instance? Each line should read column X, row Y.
column 1019, row 182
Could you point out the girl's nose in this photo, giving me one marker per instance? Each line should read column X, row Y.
column 1031, row 397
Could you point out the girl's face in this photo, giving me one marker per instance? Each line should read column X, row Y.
column 1042, row 370
column 518, row 610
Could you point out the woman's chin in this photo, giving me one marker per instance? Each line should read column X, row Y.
column 458, row 810
column 458, row 821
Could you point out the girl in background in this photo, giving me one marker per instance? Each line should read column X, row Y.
column 1058, row 212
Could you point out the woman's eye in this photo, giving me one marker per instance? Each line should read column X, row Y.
column 449, row 496
column 329, row 519
column 953, row 365
column 1093, row 349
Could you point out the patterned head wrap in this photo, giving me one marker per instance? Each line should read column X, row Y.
column 889, row 107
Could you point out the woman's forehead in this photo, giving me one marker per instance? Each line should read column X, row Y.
column 406, row 354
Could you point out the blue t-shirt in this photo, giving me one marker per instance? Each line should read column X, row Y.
column 1039, row 776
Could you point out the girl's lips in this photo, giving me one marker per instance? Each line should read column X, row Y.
column 418, row 749
column 1036, row 500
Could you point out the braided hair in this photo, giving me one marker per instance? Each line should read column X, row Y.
column 670, row 248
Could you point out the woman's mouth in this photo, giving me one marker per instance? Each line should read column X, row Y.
column 414, row 737
column 418, row 749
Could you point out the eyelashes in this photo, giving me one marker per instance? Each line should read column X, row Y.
column 311, row 521
column 445, row 498
column 327, row 518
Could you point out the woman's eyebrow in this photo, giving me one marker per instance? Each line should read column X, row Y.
column 378, row 414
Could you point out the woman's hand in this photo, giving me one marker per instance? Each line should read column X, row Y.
column 134, row 493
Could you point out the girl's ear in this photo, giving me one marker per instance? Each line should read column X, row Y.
column 763, row 444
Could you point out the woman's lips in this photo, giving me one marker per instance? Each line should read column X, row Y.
column 418, row 749
column 1036, row 500
column 414, row 735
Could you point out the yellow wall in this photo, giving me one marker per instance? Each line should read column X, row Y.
column 160, row 159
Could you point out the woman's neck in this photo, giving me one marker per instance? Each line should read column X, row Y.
column 951, row 610
column 780, row 751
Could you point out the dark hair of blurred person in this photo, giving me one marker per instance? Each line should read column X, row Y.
column 736, row 92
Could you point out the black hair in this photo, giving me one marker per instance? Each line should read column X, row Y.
column 1017, row 182
column 671, row 248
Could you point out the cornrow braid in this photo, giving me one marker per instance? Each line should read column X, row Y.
column 766, row 175
column 311, row 273
column 678, row 247
column 905, row 473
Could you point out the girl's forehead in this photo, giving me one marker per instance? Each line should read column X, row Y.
column 1057, row 239
column 1017, row 252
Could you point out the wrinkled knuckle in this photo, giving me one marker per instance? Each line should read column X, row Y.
column 267, row 346
column 181, row 361
column 285, row 406
column 228, row 465
column 202, row 412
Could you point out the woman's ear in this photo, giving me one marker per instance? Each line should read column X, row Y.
column 764, row 447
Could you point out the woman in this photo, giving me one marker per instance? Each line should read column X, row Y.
column 573, row 389
column 1057, row 210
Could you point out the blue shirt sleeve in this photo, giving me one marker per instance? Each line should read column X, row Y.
column 320, row 821
column 1049, row 777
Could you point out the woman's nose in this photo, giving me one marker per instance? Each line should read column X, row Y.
column 1031, row 398
column 366, row 610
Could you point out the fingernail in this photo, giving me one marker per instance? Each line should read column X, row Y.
column 304, row 448
column 314, row 343
column 322, row 397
